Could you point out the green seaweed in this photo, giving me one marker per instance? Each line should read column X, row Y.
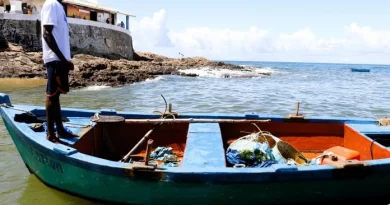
column 251, row 157
column 246, row 155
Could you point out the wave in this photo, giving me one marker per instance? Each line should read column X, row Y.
column 247, row 72
column 268, row 70
column 151, row 80
column 95, row 88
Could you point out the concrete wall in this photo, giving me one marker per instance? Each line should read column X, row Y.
column 88, row 37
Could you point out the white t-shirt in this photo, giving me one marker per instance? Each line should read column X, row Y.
column 53, row 13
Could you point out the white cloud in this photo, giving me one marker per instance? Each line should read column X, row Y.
column 152, row 34
column 367, row 40
column 226, row 42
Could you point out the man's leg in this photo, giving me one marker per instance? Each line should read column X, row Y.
column 51, row 97
column 59, row 125
column 50, row 117
column 62, row 79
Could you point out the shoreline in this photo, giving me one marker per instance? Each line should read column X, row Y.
column 95, row 70
column 17, row 83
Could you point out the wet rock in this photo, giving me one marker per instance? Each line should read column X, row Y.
column 93, row 70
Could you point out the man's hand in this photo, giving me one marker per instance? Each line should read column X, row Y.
column 71, row 65
column 67, row 64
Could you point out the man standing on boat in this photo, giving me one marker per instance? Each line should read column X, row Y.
column 56, row 56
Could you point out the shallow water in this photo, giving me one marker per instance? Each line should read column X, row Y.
column 322, row 89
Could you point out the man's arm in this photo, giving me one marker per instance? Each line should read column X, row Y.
column 51, row 42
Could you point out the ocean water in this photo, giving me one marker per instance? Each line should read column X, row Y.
column 321, row 89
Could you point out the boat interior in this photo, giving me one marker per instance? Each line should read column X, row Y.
column 204, row 144
column 202, row 141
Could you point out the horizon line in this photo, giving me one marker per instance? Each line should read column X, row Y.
column 304, row 62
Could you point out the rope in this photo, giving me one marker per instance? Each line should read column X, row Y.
column 263, row 134
column 165, row 111
column 13, row 108
column 77, row 125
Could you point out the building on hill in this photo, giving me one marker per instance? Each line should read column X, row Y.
column 83, row 9
column 95, row 29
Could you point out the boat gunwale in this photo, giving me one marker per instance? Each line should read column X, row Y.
column 97, row 164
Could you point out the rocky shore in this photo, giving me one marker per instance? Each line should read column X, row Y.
column 93, row 70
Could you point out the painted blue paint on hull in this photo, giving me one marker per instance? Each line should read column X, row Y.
column 369, row 128
column 204, row 147
column 212, row 180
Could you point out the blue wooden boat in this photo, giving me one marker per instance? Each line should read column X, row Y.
column 92, row 165
column 365, row 70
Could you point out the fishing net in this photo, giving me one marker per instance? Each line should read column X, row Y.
column 166, row 156
column 250, row 151
column 262, row 150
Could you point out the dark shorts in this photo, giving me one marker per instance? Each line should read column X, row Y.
column 57, row 78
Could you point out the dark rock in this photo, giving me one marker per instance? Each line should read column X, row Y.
column 189, row 74
column 93, row 70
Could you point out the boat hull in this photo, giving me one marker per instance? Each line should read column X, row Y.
column 92, row 184
column 360, row 70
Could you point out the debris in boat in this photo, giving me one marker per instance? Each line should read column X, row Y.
column 239, row 166
column 249, row 151
column 170, row 164
column 160, row 152
column 336, row 155
column 285, row 153
column 263, row 149
column 319, row 159
column 37, row 127
column 170, row 158
column 26, row 117
column 384, row 121
column 265, row 163
column 166, row 155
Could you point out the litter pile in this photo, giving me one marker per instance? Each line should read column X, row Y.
column 166, row 156
column 251, row 152
column 42, row 127
column 263, row 149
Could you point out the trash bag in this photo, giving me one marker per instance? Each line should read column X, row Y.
column 164, row 154
column 37, row 127
column 250, row 151
column 170, row 164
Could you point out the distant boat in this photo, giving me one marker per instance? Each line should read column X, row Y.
column 360, row 70
column 351, row 155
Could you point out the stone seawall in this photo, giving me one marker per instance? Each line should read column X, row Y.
column 86, row 37
column 24, row 33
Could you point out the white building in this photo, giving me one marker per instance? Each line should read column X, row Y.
column 82, row 9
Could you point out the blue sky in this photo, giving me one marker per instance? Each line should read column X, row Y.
column 310, row 31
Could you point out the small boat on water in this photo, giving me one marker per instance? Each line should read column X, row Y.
column 175, row 158
column 366, row 70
